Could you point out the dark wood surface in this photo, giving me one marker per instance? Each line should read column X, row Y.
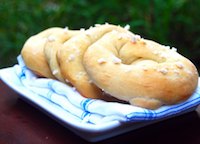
column 21, row 123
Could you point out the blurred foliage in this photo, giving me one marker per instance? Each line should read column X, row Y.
column 170, row 22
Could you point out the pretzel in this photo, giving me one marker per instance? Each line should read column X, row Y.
column 139, row 71
column 54, row 42
column 70, row 59
column 109, row 62
column 33, row 55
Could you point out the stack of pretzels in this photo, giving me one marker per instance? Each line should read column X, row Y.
column 109, row 62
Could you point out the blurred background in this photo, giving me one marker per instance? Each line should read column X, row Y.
column 170, row 22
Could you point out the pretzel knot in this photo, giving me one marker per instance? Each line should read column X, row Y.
column 111, row 63
column 140, row 71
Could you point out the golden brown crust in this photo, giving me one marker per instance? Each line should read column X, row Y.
column 110, row 60
column 52, row 46
column 70, row 59
column 155, row 76
column 33, row 55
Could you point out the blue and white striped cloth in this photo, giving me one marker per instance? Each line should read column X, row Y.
column 91, row 110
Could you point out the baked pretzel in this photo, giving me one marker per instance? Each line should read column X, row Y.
column 140, row 71
column 70, row 59
column 108, row 62
column 33, row 55
column 54, row 42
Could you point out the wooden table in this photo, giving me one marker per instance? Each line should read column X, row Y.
column 21, row 123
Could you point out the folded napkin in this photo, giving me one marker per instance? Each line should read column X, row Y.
column 92, row 110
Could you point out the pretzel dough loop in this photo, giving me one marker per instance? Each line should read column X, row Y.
column 109, row 62
column 142, row 72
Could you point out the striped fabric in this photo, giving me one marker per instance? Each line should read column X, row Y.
column 91, row 110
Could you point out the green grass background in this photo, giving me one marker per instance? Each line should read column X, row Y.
column 170, row 22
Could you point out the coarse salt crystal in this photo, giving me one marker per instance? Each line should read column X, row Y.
column 114, row 31
column 55, row 71
column 66, row 80
column 135, row 38
column 189, row 72
column 90, row 27
column 167, row 47
column 82, row 29
column 66, row 29
column 116, row 60
column 101, row 60
column 97, row 25
column 127, row 27
column 163, row 71
column 174, row 49
column 179, row 65
column 71, row 57
column 51, row 38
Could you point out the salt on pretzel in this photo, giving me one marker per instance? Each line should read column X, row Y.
column 70, row 59
column 54, row 42
column 33, row 55
column 140, row 71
